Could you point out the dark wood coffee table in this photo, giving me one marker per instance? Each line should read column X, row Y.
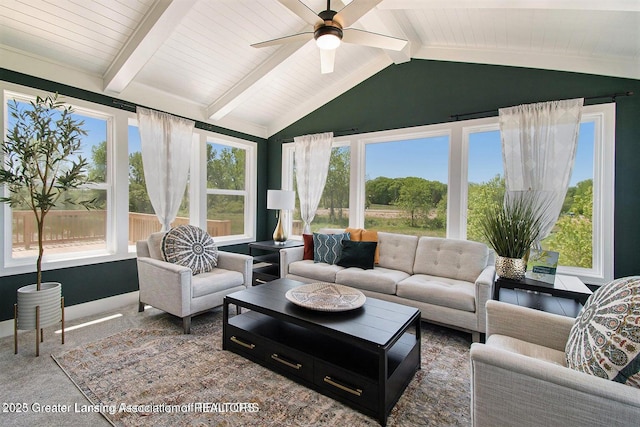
column 364, row 358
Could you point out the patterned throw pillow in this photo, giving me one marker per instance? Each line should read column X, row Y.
column 327, row 247
column 191, row 247
column 605, row 340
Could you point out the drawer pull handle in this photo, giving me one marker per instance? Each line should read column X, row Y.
column 244, row 344
column 262, row 282
column 277, row 358
column 356, row 392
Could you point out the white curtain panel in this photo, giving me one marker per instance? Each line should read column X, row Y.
column 166, row 150
column 312, row 156
column 539, row 144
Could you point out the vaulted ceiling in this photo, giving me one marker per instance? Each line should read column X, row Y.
column 193, row 57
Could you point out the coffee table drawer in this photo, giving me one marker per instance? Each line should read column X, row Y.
column 347, row 385
column 246, row 343
column 289, row 361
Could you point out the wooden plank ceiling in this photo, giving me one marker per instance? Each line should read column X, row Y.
column 193, row 57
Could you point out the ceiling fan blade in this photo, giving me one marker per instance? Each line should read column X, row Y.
column 366, row 38
column 301, row 10
column 283, row 40
column 327, row 59
column 354, row 11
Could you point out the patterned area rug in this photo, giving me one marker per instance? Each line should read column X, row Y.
column 158, row 376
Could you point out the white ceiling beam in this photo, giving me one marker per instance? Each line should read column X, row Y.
column 608, row 5
column 614, row 67
column 246, row 87
column 157, row 25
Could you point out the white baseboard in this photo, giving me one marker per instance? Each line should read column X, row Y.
column 82, row 310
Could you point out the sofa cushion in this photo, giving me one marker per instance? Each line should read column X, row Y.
column 319, row 271
column 363, row 235
column 379, row 279
column 605, row 339
column 442, row 291
column 214, row 281
column 397, row 251
column 190, row 246
column 154, row 242
column 456, row 259
column 327, row 247
column 357, row 254
column 528, row 349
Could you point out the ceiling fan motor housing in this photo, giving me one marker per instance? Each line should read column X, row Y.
column 328, row 25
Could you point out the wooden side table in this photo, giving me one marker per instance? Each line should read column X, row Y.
column 266, row 264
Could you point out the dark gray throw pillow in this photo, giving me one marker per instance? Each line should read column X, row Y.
column 357, row 254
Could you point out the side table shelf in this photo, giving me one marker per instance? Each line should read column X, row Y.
column 266, row 259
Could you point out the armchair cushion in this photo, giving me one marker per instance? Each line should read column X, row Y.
column 605, row 339
column 190, row 246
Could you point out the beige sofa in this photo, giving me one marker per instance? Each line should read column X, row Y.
column 448, row 280
column 519, row 377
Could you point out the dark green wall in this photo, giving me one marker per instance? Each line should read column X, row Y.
column 92, row 282
column 424, row 92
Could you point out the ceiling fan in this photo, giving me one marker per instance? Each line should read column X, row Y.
column 330, row 29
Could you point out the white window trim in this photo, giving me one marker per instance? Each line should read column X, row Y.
column 458, row 133
column 249, row 193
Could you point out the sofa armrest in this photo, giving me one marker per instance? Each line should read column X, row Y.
column 164, row 285
column 511, row 389
column 534, row 326
column 289, row 255
column 484, row 292
column 237, row 262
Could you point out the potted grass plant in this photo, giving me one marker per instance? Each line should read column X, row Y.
column 41, row 164
column 511, row 228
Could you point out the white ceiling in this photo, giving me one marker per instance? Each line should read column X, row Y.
column 193, row 57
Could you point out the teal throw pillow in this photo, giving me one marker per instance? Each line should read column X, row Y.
column 357, row 254
column 328, row 247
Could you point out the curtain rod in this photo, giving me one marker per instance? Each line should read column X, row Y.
column 343, row 132
column 613, row 97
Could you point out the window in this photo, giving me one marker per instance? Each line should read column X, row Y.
column 69, row 227
column 79, row 237
column 230, row 188
column 453, row 170
column 406, row 186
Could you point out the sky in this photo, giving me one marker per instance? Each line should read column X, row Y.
column 425, row 158
column 428, row 157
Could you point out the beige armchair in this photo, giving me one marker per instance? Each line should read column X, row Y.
column 519, row 377
column 173, row 288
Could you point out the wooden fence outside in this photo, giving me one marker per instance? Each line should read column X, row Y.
column 66, row 226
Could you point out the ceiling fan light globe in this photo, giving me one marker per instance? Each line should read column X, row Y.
column 328, row 42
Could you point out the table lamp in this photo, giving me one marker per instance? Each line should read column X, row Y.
column 280, row 200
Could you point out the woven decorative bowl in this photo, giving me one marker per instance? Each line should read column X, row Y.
column 326, row 297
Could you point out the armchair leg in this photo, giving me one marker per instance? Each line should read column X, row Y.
column 140, row 306
column 475, row 336
column 186, row 324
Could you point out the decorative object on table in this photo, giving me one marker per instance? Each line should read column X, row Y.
column 281, row 200
column 605, row 339
column 511, row 228
column 326, row 297
column 542, row 265
column 42, row 163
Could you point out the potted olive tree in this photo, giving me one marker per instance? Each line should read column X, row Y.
column 41, row 164
column 511, row 228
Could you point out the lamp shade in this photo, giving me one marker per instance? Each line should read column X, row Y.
column 281, row 199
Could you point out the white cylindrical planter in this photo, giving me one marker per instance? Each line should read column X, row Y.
column 48, row 298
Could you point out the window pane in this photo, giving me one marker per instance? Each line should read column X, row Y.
column 142, row 218
column 68, row 228
column 333, row 209
column 485, row 178
column 225, row 167
column 572, row 236
column 225, row 215
column 406, row 188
